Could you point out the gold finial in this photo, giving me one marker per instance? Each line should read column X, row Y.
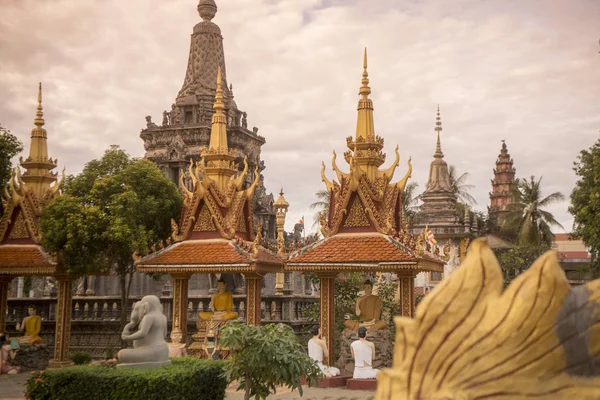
column 39, row 116
column 219, row 105
column 365, row 90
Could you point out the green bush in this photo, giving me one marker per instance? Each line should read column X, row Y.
column 81, row 358
column 185, row 378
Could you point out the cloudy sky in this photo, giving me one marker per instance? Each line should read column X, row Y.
column 527, row 71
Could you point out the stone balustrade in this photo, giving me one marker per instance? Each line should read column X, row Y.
column 95, row 323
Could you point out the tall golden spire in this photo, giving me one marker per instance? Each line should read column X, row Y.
column 365, row 128
column 365, row 148
column 37, row 166
column 219, row 160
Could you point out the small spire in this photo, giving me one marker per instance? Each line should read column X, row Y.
column 39, row 116
column 365, row 130
column 438, row 128
column 365, row 90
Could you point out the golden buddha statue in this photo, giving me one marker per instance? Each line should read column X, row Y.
column 222, row 305
column 368, row 311
column 32, row 324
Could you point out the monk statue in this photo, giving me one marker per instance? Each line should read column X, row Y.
column 147, row 330
column 176, row 348
column 32, row 324
column 363, row 352
column 222, row 305
column 368, row 311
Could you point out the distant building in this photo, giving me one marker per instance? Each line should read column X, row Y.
column 574, row 258
column 440, row 216
column 504, row 178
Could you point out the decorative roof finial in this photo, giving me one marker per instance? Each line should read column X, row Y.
column 39, row 116
column 365, row 90
column 438, row 128
column 207, row 9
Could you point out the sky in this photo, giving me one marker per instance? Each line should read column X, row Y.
column 526, row 71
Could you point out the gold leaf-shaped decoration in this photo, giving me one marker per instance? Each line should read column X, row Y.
column 539, row 339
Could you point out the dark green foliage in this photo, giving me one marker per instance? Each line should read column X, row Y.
column 184, row 379
column 585, row 203
column 10, row 146
column 264, row 357
column 518, row 259
column 81, row 358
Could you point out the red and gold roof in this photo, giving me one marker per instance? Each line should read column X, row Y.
column 363, row 228
column 24, row 198
column 216, row 230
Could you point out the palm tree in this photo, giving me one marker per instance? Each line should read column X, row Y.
column 459, row 186
column 527, row 216
column 409, row 201
column 322, row 205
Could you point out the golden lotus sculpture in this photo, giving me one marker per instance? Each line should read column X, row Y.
column 539, row 339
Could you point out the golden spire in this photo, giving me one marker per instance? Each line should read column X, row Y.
column 365, row 147
column 365, row 128
column 438, row 128
column 38, row 166
column 219, row 160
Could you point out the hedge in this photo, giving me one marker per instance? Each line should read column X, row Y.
column 185, row 378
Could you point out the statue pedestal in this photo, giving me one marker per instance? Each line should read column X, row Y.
column 384, row 349
column 145, row 365
column 32, row 357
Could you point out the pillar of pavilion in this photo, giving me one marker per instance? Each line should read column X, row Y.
column 363, row 230
column 216, row 233
column 21, row 254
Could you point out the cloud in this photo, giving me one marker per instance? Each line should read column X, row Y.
column 524, row 71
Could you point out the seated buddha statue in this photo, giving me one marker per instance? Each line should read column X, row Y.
column 368, row 311
column 32, row 324
column 222, row 305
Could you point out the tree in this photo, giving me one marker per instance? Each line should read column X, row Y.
column 265, row 356
column 518, row 259
column 585, row 203
column 409, row 201
column 527, row 216
column 321, row 205
column 10, row 146
column 116, row 209
column 459, row 187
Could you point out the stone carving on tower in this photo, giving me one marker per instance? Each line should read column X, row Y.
column 504, row 178
column 185, row 129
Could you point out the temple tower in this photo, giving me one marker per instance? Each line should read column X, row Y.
column 185, row 130
column 439, row 214
column 439, row 202
column 504, row 178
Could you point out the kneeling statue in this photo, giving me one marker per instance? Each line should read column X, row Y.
column 147, row 330
column 222, row 304
column 363, row 352
column 317, row 350
column 368, row 311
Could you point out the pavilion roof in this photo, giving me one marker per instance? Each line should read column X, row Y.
column 212, row 256
column 361, row 252
column 25, row 259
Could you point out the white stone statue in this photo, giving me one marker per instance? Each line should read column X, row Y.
column 363, row 352
column 147, row 330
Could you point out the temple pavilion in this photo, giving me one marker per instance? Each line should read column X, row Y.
column 364, row 230
column 216, row 233
column 21, row 253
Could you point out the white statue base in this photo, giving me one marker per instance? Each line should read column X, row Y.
column 145, row 365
